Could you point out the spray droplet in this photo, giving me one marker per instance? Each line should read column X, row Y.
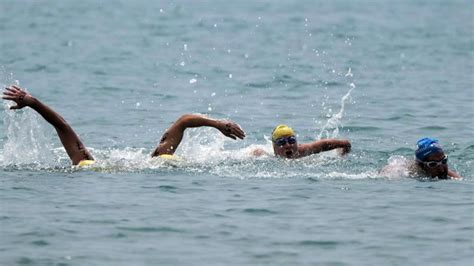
column 191, row 81
column 213, row 94
column 185, row 47
column 230, row 76
column 182, row 63
column 349, row 73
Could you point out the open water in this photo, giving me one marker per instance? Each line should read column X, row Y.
column 380, row 73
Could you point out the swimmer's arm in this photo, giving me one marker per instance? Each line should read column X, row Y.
column 324, row 145
column 453, row 175
column 71, row 142
column 172, row 137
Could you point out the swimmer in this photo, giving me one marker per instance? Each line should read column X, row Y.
column 172, row 137
column 431, row 161
column 77, row 152
column 285, row 145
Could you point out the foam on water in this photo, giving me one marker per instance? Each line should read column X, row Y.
column 397, row 167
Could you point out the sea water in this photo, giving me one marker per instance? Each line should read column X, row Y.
column 379, row 73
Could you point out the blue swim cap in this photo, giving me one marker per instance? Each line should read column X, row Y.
column 426, row 147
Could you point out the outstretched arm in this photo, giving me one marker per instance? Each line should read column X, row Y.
column 172, row 137
column 71, row 142
column 324, row 145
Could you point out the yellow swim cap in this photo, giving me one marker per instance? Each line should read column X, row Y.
column 282, row 131
column 169, row 156
column 85, row 163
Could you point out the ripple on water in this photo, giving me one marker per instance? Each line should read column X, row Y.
column 254, row 211
column 272, row 255
column 324, row 244
column 40, row 243
column 151, row 229
column 25, row 261
column 22, row 188
column 319, row 243
column 38, row 234
column 118, row 235
column 259, row 211
column 362, row 129
column 36, row 68
column 433, row 128
column 168, row 188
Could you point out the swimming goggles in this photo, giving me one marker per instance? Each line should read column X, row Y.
column 283, row 141
column 434, row 164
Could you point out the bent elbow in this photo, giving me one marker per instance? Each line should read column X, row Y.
column 185, row 117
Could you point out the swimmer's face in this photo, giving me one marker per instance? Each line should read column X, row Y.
column 436, row 165
column 286, row 147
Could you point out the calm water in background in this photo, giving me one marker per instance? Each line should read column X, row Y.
column 379, row 73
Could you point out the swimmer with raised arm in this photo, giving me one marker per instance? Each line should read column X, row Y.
column 285, row 145
column 77, row 152
column 172, row 137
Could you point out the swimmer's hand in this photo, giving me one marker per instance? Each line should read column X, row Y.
column 230, row 129
column 346, row 149
column 454, row 175
column 19, row 96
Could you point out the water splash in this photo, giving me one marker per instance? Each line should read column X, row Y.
column 26, row 141
column 331, row 128
column 398, row 167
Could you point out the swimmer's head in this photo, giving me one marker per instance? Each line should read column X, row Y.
column 284, row 141
column 282, row 131
column 431, row 158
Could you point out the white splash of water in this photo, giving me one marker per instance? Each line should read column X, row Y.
column 331, row 128
column 398, row 167
column 26, row 140
column 203, row 145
